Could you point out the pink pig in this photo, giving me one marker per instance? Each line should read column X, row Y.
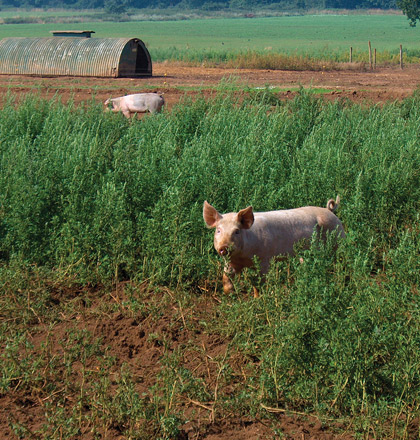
column 137, row 103
column 245, row 234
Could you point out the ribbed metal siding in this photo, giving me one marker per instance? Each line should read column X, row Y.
column 72, row 56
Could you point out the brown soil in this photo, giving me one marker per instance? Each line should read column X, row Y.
column 141, row 341
column 380, row 85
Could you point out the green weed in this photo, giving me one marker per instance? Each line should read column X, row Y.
column 333, row 333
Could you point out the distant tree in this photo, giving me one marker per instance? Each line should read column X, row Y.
column 142, row 4
column 88, row 4
column 411, row 9
column 244, row 4
column 115, row 6
column 213, row 6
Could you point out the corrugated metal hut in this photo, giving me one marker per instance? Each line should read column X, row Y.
column 75, row 55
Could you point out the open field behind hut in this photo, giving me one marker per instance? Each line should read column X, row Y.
column 112, row 320
column 322, row 37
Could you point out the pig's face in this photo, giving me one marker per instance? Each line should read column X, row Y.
column 228, row 237
column 109, row 105
column 229, row 233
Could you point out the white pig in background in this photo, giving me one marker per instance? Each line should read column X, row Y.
column 245, row 234
column 137, row 103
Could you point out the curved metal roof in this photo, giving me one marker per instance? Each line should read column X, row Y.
column 74, row 56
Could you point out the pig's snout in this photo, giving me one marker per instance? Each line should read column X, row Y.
column 223, row 250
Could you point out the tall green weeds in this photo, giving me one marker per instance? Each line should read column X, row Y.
column 96, row 198
column 118, row 198
column 316, row 60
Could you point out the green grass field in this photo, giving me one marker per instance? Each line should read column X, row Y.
column 292, row 35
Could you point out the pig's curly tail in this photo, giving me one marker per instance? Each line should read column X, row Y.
column 332, row 204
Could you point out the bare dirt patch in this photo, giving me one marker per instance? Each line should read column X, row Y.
column 380, row 85
column 165, row 328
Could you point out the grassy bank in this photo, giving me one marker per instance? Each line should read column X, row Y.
column 336, row 336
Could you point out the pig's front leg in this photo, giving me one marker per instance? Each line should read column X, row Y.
column 228, row 273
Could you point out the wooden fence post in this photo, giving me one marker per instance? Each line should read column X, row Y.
column 374, row 59
column 370, row 56
column 401, row 57
column 351, row 54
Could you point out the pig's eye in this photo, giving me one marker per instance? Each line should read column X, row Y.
column 218, row 231
column 237, row 231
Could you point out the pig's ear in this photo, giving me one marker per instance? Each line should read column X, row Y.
column 210, row 215
column 246, row 217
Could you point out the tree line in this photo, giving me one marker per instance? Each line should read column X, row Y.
column 123, row 5
column 411, row 8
